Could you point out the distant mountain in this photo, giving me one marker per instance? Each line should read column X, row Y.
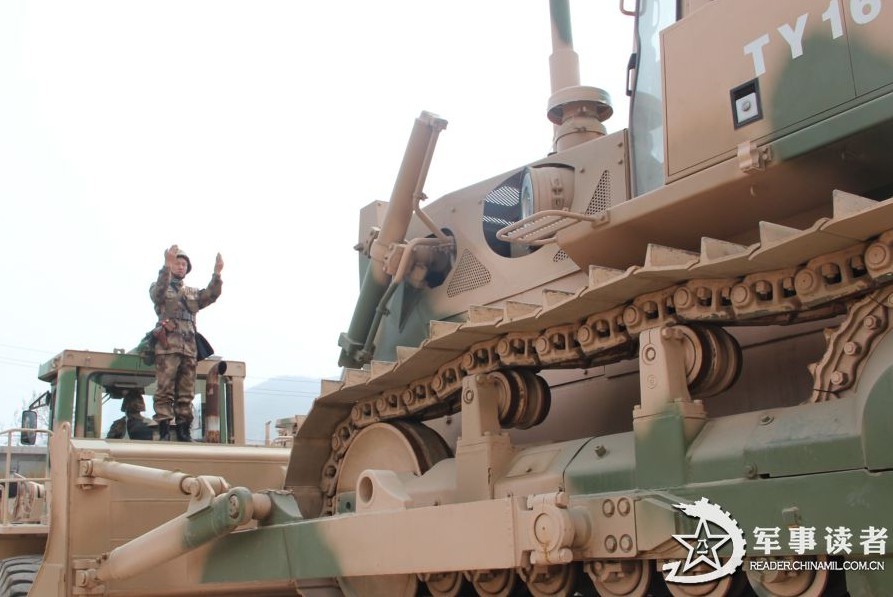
column 275, row 398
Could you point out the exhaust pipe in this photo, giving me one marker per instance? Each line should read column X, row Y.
column 211, row 407
column 410, row 179
column 576, row 111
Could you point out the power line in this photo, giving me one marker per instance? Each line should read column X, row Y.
column 19, row 363
column 283, row 393
column 283, row 378
column 50, row 352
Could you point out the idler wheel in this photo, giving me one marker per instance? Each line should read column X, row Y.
column 401, row 447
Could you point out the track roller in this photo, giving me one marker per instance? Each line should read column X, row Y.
column 620, row 578
column 559, row 580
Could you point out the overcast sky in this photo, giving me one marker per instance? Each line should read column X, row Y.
column 254, row 128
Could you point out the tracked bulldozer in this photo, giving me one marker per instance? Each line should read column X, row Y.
column 651, row 362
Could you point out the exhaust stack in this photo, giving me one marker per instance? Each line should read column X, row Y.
column 576, row 111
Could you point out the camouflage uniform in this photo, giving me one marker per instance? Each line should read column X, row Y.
column 177, row 304
column 134, row 425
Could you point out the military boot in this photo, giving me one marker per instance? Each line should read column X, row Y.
column 184, row 434
column 164, row 431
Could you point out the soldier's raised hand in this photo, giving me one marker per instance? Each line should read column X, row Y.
column 170, row 256
column 218, row 264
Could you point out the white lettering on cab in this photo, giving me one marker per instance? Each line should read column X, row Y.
column 863, row 12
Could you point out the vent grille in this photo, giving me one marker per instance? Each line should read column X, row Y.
column 502, row 206
column 601, row 198
column 560, row 256
column 470, row 274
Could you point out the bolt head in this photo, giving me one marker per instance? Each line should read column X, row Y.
column 805, row 281
column 740, row 295
column 682, row 298
column 623, row 506
column 234, row 509
column 649, row 353
column 626, row 543
column 877, row 255
column 541, row 345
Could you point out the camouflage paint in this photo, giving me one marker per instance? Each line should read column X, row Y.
column 561, row 19
column 221, row 517
column 660, row 449
column 63, row 407
column 876, row 420
column 869, row 111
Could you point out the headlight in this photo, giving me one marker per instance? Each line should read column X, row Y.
column 546, row 187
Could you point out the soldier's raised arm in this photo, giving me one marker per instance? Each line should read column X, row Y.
column 156, row 290
column 215, row 286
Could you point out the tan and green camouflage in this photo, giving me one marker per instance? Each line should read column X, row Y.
column 176, row 306
column 177, row 303
column 654, row 361
column 133, row 425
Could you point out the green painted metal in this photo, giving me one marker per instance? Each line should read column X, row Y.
column 614, row 470
column 854, row 499
column 873, row 114
column 259, row 555
column 799, row 94
column 870, row 46
column 224, row 514
column 871, row 584
column 352, row 342
column 561, row 19
column 660, row 449
column 64, row 398
column 876, row 424
column 809, row 439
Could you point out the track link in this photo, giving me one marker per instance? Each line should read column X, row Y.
column 788, row 276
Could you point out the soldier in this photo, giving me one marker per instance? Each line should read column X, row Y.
column 175, row 352
column 133, row 425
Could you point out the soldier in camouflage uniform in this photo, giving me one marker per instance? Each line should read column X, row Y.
column 175, row 352
column 133, row 425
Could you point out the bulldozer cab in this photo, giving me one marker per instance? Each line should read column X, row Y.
column 87, row 389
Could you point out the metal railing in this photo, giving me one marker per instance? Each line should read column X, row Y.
column 22, row 483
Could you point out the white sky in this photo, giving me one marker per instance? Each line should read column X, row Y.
column 254, row 128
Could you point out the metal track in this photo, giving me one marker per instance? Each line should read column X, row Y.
column 790, row 275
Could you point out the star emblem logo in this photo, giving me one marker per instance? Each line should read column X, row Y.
column 702, row 546
column 714, row 530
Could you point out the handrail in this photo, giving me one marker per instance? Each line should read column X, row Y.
column 7, row 480
column 540, row 228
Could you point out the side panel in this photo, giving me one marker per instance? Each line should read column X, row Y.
column 797, row 51
column 788, row 64
column 871, row 43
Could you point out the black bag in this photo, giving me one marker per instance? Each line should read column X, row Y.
column 146, row 348
column 203, row 348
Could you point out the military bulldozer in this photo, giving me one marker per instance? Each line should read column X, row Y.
column 44, row 522
column 652, row 362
